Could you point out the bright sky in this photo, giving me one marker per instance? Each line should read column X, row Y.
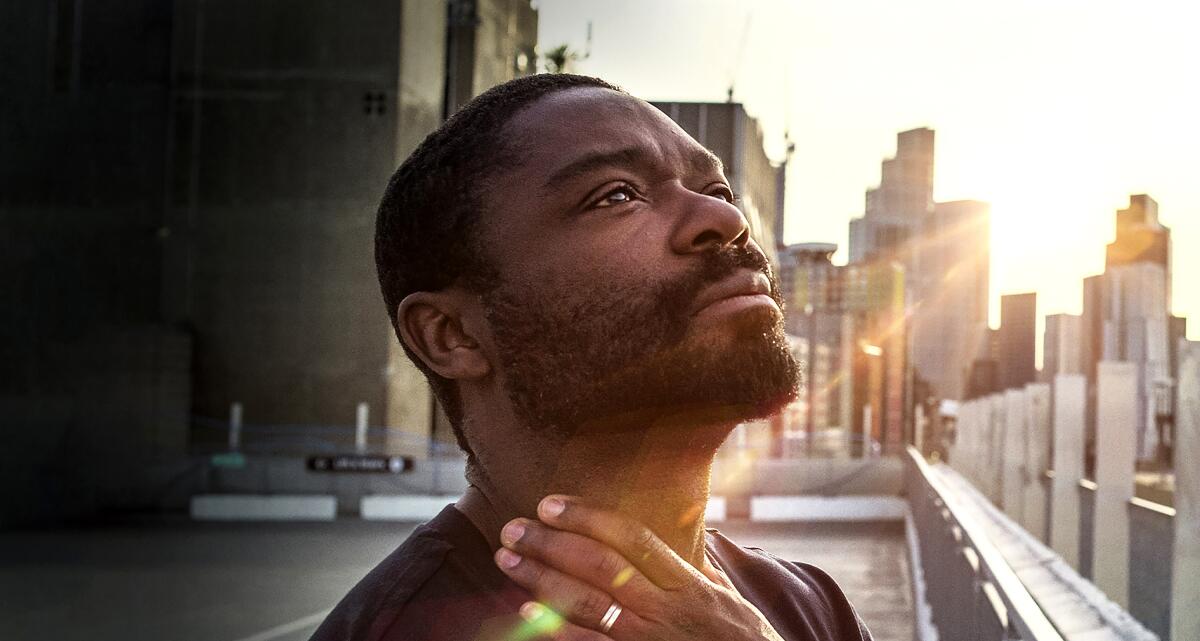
column 1052, row 110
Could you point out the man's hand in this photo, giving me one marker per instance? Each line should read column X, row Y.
column 579, row 561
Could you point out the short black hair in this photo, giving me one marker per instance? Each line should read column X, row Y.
column 425, row 229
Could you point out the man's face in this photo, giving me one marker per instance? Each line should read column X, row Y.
column 627, row 285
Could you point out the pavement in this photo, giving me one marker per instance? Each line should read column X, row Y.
column 178, row 580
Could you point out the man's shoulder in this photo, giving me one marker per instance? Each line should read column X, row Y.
column 370, row 607
column 798, row 596
column 439, row 584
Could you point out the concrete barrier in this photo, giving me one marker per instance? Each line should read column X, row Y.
column 260, row 507
column 402, row 507
column 714, row 512
column 827, row 508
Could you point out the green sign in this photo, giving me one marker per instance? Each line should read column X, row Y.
column 229, row 459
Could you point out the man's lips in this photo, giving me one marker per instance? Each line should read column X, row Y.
column 742, row 290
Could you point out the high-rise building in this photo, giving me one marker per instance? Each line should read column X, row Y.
column 950, row 310
column 1126, row 315
column 1062, row 346
column 944, row 248
column 853, row 317
column 736, row 138
column 896, row 209
column 814, row 316
column 1016, row 340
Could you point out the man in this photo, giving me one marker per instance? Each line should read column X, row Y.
column 571, row 273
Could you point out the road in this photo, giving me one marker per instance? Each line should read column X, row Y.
column 177, row 580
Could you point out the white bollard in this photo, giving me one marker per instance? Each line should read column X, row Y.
column 235, row 427
column 1013, row 463
column 1116, row 453
column 361, row 415
column 1070, row 404
column 996, row 449
column 1185, row 574
column 1037, row 457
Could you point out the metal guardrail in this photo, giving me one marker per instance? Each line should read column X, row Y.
column 972, row 591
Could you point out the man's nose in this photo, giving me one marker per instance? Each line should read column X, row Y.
column 707, row 222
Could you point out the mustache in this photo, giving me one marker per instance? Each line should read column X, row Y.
column 677, row 297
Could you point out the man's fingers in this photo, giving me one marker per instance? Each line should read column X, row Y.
column 544, row 622
column 585, row 558
column 568, row 596
column 631, row 539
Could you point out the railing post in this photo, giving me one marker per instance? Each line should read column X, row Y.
column 1014, row 453
column 1037, row 455
column 1185, row 578
column 1070, row 398
column 1116, row 451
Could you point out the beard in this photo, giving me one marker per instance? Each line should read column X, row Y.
column 614, row 358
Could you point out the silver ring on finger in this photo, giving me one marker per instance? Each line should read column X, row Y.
column 610, row 617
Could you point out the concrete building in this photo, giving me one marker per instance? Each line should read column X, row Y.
column 487, row 43
column 853, row 316
column 95, row 382
column 815, row 318
column 950, row 317
column 895, row 210
column 1016, row 340
column 1062, row 346
column 736, row 138
column 945, row 251
column 286, row 138
column 1126, row 317
column 189, row 192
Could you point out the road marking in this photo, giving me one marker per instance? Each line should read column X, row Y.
column 288, row 628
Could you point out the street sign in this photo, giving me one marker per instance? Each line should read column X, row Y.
column 360, row 463
column 232, row 460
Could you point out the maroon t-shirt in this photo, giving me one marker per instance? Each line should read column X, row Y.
column 442, row 585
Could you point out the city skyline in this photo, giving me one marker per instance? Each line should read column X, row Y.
column 1055, row 134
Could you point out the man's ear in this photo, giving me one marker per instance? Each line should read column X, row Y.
column 431, row 324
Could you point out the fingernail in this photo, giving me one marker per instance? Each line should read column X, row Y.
column 531, row 610
column 507, row 558
column 512, row 532
column 552, row 507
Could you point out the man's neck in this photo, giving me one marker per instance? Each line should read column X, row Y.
column 658, row 476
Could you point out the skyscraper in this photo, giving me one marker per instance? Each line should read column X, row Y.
column 1126, row 315
column 944, row 249
column 1062, row 346
column 950, row 288
column 896, row 209
column 1016, row 340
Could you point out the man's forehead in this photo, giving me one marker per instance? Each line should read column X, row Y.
column 575, row 126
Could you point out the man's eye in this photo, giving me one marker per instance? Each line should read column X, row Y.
column 618, row 196
column 725, row 194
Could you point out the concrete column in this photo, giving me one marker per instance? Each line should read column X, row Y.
column 1116, row 452
column 361, row 421
column 235, row 427
column 995, row 464
column 968, row 418
column 1070, row 405
column 1185, row 575
column 1014, row 454
column 1037, row 457
column 919, row 428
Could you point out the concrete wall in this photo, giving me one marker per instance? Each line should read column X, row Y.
column 285, row 130
column 94, row 386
